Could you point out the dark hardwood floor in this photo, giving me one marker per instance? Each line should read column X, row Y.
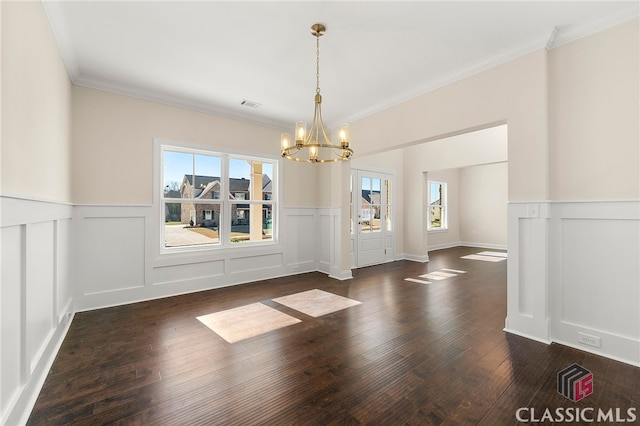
column 409, row 354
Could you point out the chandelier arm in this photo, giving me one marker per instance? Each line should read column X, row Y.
column 324, row 132
column 312, row 137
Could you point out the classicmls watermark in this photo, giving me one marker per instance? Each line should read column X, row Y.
column 576, row 383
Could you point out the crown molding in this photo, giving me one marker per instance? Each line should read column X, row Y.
column 54, row 15
column 553, row 38
column 174, row 101
column 507, row 55
column 576, row 32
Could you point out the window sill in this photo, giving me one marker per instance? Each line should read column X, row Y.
column 185, row 256
column 437, row 231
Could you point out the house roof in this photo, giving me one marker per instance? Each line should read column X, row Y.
column 371, row 197
column 204, row 184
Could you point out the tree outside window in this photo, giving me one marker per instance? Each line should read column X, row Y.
column 437, row 208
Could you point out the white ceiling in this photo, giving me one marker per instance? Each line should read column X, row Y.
column 210, row 55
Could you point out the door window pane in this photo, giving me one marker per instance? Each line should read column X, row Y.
column 370, row 207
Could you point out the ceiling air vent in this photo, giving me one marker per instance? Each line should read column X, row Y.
column 250, row 104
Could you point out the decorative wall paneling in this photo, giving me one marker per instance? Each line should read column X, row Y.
column 35, row 297
column 594, row 252
column 574, row 275
column 120, row 260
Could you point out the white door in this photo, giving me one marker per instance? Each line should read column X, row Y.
column 372, row 203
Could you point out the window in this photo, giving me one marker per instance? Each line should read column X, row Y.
column 194, row 212
column 437, row 208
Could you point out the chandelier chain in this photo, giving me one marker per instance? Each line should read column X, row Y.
column 317, row 63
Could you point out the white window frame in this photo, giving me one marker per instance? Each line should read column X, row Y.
column 224, row 225
column 444, row 222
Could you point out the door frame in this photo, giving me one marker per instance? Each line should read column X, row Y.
column 388, row 237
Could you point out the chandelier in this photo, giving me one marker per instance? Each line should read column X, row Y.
column 315, row 146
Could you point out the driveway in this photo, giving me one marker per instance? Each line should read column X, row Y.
column 178, row 235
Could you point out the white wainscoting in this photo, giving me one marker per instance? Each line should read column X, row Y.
column 574, row 267
column 527, row 279
column 119, row 260
column 35, row 298
column 595, row 276
column 329, row 240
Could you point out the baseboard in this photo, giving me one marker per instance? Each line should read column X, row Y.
column 341, row 275
column 19, row 413
column 594, row 351
column 417, row 258
column 526, row 336
column 467, row 244
column 483, row 245
column 443, row 246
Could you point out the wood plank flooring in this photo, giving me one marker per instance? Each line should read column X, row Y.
column 411, row 353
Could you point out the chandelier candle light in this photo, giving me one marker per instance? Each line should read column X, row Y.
column 315, row 146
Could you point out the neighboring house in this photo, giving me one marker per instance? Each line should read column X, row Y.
column 370, row 208
column 208, row 188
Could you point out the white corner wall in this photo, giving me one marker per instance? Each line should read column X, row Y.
column 35, row 235
column 573, row 260
column 594, row 217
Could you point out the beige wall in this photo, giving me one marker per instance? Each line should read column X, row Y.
column 483, row 204
column 36, row 107
column 595, row 116
column 113, row 147
column 514, row 93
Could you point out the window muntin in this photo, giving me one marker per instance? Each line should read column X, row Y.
column 437, row 208
column 193, row 210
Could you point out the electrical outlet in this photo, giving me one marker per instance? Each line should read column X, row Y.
column 588, row 339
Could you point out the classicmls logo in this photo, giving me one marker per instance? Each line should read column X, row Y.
column 575, row 382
